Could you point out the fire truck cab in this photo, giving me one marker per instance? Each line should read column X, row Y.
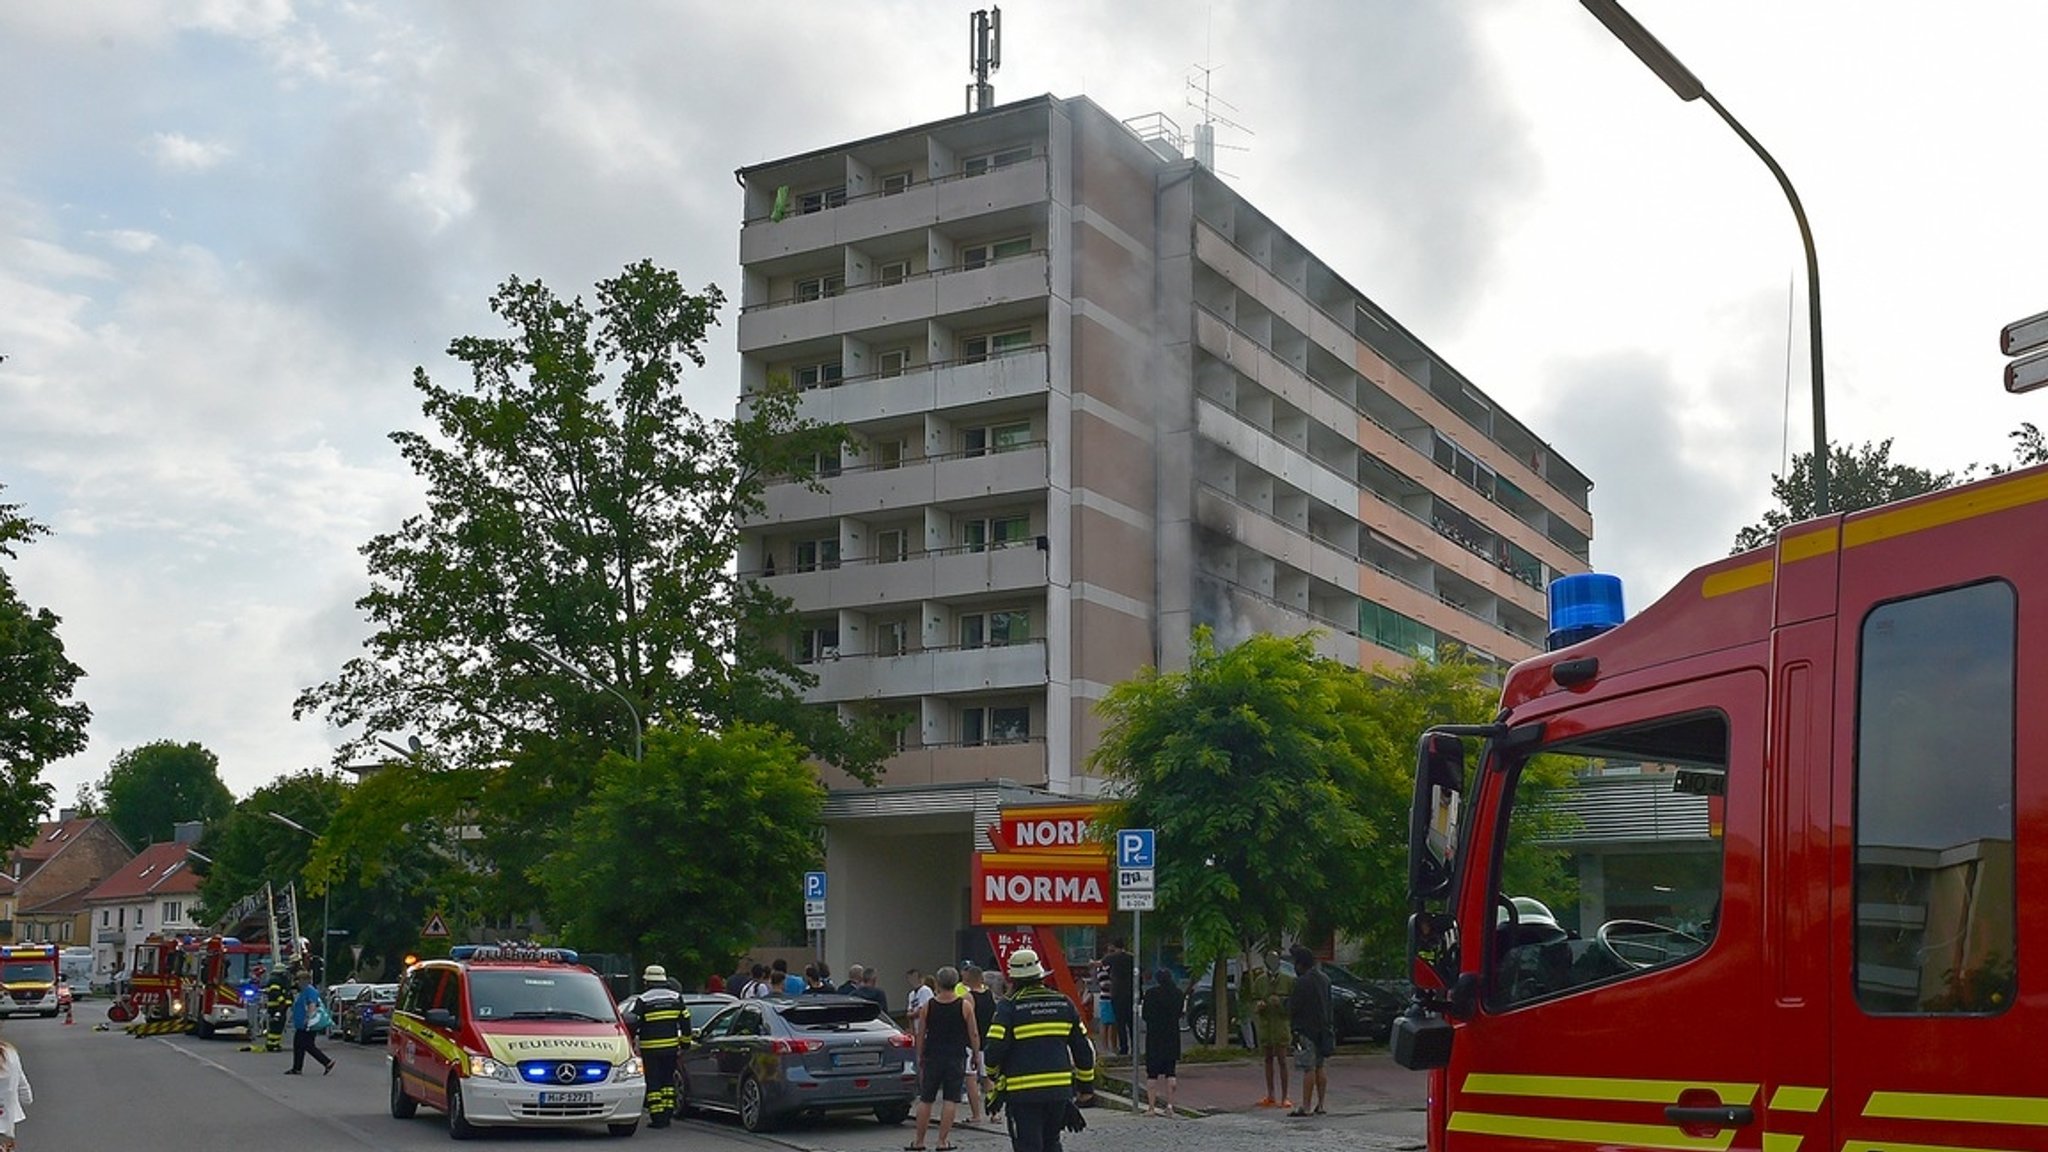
column 1743, row 872
column 218, row 983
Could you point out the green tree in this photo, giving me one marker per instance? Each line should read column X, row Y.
column 149, row 789
column 39, row 721
column 1858, row 478
column 1248, row 767
column 576, row 504
column 672, row 858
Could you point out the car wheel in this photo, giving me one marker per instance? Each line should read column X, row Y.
column 1203, row 1024
column 892, row 1114
column 683, row 1106
column 459, row 1127
column 403, row 1107
column 754, row 1115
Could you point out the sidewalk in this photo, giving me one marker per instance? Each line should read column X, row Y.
column 1369, row 1095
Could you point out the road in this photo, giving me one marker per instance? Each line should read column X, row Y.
column 108, row 1090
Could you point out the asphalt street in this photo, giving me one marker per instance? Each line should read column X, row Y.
column 106, row 1089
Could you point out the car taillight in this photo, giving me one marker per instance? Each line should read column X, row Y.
column 902, row 1040
column 793, row 1047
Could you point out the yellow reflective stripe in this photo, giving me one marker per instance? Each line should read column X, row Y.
column 1084, row 1075
column 1895, row 1146
column 1807, row 545
column 440, row 1045
column 1601, row 1088
column 1982, row 501
column 1037, row 1080
column 1034, row 1031
column 1737, row 579
column 1646, row 1136
column 1958, row 1109
column 1778, row 1142
column 1788, row 1098
column 998, row 1032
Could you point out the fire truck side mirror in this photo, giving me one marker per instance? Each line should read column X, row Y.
column 1421, row 1040
column 1432, row 815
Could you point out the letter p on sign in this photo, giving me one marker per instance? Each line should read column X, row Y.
column 1134, row 848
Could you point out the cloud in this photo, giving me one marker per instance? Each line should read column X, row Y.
column 176, row 151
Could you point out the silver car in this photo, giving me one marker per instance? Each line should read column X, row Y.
column 767, row 1060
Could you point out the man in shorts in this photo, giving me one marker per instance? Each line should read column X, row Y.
column 1314, row 1023
column 947, row 1040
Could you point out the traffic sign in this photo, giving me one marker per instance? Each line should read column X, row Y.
column 814, row 923
column 814, row 886
column 1134, row 848
column 436, row 929
column 2028, row 374
column 814, row 907
column 1134, row 900
column 2022, row 336
column 1133, row 879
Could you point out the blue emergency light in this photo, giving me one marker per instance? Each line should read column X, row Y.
column 1583, row 606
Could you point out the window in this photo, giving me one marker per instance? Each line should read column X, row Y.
column 989, row 162
column 812, row 555
column 820, row 642
column 981, row 255
column 995, row 344
column 995, row 438
column 820, row 200
column 892, row 637
column 887, row 453
column 892, row 545
column 819, row 287
column 996, row 532
column 995, row 629
column 64, row 932
column 1573, row 913
column 1936, row 925
column 995, row 725
column 823, row 375
column 892, row 362
column 894, row 182
column 122, row 915
column 173, row 912
column 106, row 918
column 894, row 272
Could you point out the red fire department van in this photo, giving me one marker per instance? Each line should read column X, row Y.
column 1744, row 872
column 511, row 1035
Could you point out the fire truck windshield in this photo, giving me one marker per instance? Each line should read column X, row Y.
column 1612, row 864
column 29, row 971
column 542, row 992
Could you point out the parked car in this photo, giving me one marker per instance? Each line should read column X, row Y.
column 1365, row 1010
column 702, row 1006
column 369, row 1018
column 767, row 1060
column 340, row 996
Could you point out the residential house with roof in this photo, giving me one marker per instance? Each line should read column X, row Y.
column 53, row 873
column 154, row 892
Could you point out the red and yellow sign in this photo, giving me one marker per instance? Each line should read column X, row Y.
column 1014, row 888
column 1049, row 828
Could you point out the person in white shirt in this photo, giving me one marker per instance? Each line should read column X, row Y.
column 15, row 1095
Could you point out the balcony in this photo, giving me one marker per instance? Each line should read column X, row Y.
column 929, row 672
column 914, row 484
column 1023, row 761
column 937, row 575
column 920, row 206
column 935, row 387
column 944, row 292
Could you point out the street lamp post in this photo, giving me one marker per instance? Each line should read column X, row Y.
column 563, row 663
column 326, row 890
column 1682, row 82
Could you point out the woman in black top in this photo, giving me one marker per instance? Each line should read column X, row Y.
column 1161, row 1012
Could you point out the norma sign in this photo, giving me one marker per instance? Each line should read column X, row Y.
column 1060, row 828
column 1022, row 888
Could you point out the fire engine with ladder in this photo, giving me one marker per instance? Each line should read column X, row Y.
column 205, row 984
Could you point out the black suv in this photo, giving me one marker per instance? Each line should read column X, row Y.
column 1365, row 1010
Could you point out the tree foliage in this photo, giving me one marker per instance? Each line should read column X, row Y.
column 677, row 858
column 148, row 790
column 40, row 723
column 576, row 504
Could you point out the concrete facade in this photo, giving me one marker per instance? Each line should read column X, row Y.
column 1098, row 399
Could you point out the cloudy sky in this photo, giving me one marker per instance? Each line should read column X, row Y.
column 230, row 228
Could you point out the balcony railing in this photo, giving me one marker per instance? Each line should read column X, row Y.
column 946, row 178
column 852, row 289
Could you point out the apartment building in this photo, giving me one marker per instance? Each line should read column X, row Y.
column 1098, row 398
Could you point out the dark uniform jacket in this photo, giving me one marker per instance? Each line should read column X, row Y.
column 1037, row 1049
column 658, row 1017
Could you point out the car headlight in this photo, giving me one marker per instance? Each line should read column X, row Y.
column 631, row 1070
column 492, row 1069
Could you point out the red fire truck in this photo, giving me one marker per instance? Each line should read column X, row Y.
column 1743, row 872
column 153, row 982
column 219, row 983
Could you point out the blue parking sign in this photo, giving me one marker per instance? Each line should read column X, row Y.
column 1134, row 848
column 814, row 885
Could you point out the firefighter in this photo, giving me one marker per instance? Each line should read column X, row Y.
column 277, row 1002
column 1038, row 1052
column 661, row 1023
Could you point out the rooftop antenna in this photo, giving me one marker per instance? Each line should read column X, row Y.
column 1205, row 128
column 985, row 51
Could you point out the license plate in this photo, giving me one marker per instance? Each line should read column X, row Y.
column 857, row 1060
column 566, row 1097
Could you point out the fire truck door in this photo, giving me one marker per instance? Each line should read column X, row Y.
column 1617, row 941
column 1942, row 636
